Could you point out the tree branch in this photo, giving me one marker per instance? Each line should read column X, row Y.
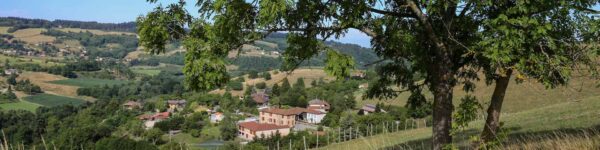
column 391, row 13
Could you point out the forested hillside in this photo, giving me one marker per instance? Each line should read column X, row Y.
column 17, row 23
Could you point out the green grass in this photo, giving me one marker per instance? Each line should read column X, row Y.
column 21, row 105
column 50, row 100
column 539, row 122
column 150, row 72
column 89, row 82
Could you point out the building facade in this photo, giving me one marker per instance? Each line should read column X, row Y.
column 253, row 130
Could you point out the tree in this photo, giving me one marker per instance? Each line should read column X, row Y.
column 275, row 90
column 299, row 83
column 228, row 128
column 12, row 79
column 153, row 135
column 425, row 45
column 541, row 41
column 285, row 86
column 253, row 74
column 267, row 75
column 261, row 85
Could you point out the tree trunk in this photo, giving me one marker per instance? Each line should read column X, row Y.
column 442, row 115
column 492, row 122
column 442, row 81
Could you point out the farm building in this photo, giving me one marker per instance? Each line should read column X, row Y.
column 151, row 119
column 317, row 104
column 252, row 130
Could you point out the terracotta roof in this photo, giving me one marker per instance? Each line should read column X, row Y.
column 163, row 115
column 255, row 126
column 285, row 112
column 322, row 104
column 260, row 97
column 290, row 111
column 312, row 111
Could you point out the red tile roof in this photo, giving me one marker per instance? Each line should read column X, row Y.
column 285, row 112
column 290, row 111
column 163, row 115
column 260, row 98
column 255, row 126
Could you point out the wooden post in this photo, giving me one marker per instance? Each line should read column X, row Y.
column 317, row 140
column 278, row 145
column 328, row 138
column 350, row 133
column 304, row 138
column 357, row 132
column 339, row 134
column 290, row 144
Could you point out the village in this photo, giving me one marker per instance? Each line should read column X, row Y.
column 270, row 121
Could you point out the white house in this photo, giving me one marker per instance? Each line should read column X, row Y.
column 313, row 116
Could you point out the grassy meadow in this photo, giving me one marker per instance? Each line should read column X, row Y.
column 50, row 100
column 21, row 105
column 567, row 122
column 88, row 82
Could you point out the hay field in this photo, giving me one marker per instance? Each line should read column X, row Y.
column 43, row 80
column 33, row 35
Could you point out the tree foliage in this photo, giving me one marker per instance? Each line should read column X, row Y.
column 424, row 45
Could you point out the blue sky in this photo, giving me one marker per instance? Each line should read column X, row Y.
column 108, row 11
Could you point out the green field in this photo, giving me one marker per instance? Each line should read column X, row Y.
column 50, row 100
column 89, row 82
column 150, row 72
column 21, row 105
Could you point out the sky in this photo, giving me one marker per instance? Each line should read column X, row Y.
column 109, row 11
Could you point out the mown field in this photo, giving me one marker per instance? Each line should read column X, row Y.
column 21, row 105
column 88, row 82
column 150, row 72
column 50, row 100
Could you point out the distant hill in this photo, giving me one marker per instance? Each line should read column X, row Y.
column 17, row 23
column 261, row 56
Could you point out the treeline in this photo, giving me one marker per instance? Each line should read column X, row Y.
column 260, row 64
column 68, row 70
column 176, row 59
column 17, row 23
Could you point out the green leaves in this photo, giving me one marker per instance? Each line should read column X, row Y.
column 271, row 11
column 338, row 65
column 300, row 48
column 162, row 25
column 467, row 112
